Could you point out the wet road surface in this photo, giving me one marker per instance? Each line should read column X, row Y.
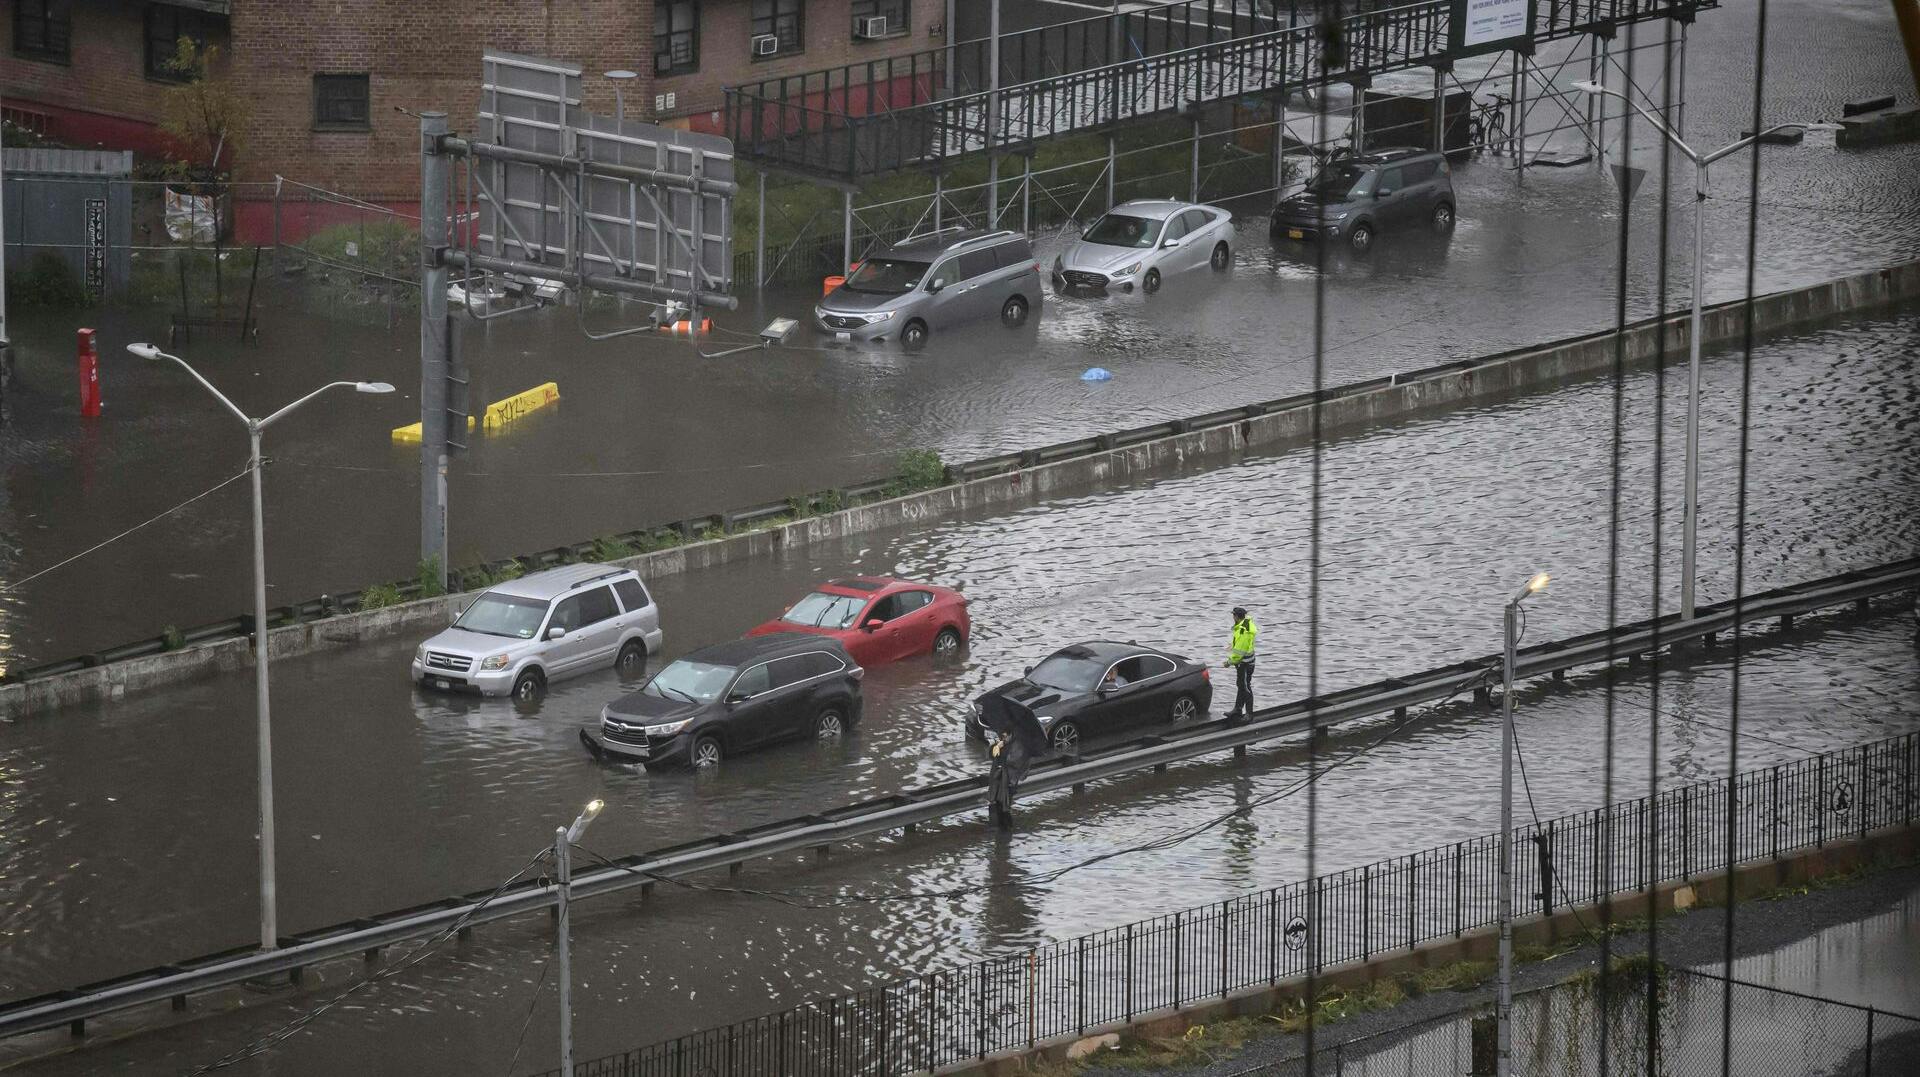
column 128, row 835
column 647, row 432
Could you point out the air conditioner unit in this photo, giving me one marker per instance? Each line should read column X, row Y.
column 871, row 27
column 765, row 44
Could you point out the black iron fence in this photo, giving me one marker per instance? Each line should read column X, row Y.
column 1394, row 905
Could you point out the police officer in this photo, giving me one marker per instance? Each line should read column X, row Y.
column 1240, row 657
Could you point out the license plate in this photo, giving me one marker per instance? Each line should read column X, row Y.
column 843, row 336
column 1295, row 233
column 442, row 685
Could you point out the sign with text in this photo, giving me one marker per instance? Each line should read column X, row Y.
column 96, row 253
column 1478, row 26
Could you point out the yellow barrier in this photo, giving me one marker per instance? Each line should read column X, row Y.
column 499, row 414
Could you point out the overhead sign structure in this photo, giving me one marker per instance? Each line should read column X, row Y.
column 1478, row 26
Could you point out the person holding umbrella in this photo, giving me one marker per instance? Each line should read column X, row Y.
column 1017, row 741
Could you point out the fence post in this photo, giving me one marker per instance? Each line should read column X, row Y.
column 1860, row 794
column 1820, row 797
column 1273, row 936
column 980, row 1010
column 1906, row 776
column 1178, row 919
column 1413, row 898
column 1129, row 974
column 1773, row 825
column 1458, row 892
column 1080, row 987
column 1366, row 919
column 933, row 1022
column 1686, row 832
column 1226, row 913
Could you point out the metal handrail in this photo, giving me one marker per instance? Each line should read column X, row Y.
column 882, row 814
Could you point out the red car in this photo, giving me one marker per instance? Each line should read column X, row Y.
column 878, row 619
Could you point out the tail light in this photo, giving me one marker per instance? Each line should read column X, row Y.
column 1206, row 674
column 856, row 672
column 1036, row 267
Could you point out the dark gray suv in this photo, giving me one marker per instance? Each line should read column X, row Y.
column 1354, row 198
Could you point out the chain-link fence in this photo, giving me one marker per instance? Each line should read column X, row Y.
column 1394, row 905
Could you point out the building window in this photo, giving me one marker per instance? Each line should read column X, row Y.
column 782, row 20
column 42, row 30
column 897, row 13
column 676, row 37
column 340, row 103
column 166, row 25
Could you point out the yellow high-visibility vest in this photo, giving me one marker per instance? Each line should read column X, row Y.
column 1244, row 633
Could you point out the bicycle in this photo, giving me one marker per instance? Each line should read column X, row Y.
column 1487, row 127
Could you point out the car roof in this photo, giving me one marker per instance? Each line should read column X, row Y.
column 553, row 582
column 1390, row 154
column 876, row 585
column 1157, row 208
column 737, row 652
column 945, row 241
column 1108, row 649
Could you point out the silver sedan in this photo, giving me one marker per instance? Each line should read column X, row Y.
column 1138, row 244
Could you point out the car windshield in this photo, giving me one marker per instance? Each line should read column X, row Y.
column 1339, row 182
column 690, row 682
column 1120, row 230
column 1069, row 672
column 822, row 610
column 886, row 276
column 503, row 615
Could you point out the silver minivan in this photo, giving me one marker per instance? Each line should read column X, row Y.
column 931, row 282
column 518, row 636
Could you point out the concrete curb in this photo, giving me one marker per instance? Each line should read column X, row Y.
column 1390, row 399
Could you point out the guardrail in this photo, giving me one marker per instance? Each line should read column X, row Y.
column 174, row 982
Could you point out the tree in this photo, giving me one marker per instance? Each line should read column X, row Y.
column 205, row 114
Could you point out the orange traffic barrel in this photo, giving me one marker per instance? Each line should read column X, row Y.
column 706, row 326
column 828, row 285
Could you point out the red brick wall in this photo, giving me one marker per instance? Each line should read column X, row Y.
column 419, row 55
column 726, row 58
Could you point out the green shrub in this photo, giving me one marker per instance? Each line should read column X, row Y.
column 171, row 639
column 608, row 548
column 46, row 281
column 920, row 469
column 379, row 597
column 830, row 501
column 429, row 575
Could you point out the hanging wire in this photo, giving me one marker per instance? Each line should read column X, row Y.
column 1740, row 529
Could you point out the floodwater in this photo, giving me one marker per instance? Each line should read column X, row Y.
column 128, row 835
column 649, row 432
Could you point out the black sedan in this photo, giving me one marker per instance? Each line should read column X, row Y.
column 1101, row 689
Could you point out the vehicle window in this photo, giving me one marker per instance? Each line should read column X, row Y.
column 1176, row 226
column 1196, row 219
column 820, row 662
column 787, row 671
column 1421, row 171
column 886, row 276
column 912, row 600
column 885, row 609
column 632, row 595
column 977, row 263
column 1392, row 180
column 1121, row 230
column 822, row 610
column 753, row 682
column 945, row 276
column 694, row 682
column 566, row 614
column 1142, row 666
column 1019, row 252
column 1340, row 182
column 1069, row 672
column 503, row 615
column 596, row 605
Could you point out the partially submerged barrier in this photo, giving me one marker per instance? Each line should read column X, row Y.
column 1004, row 480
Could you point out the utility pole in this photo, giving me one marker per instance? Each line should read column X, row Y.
column 435, row 171
column 1907, row 14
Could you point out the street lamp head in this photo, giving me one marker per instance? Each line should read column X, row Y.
column 623, row 75
column 144, row 351
column 1824, row 126
column 585, row 820
column 372, row 387
column 1538, row 583
column 1589, row 86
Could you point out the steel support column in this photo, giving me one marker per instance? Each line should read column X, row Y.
column 846, row 230
column 1679, row 118
column 1194, row 182
column 760, row 237
column 1519, row 118
column 1439, row 110
column 1026, row 195
column 939, row 195
column 1279, row 141
column 436, row 169
column 1113, row 163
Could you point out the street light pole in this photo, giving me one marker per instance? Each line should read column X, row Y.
column 563, row 839
column 1691, row 509
column 1503, row 1006
column 269, row 916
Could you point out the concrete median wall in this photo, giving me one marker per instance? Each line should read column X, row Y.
column 1211, row 441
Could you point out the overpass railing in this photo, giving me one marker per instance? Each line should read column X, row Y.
column 1109, row 977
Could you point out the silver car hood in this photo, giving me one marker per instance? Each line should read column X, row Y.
column 1100, row 258
column 845, row 301
column 472, row 644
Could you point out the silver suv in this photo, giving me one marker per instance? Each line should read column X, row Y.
column 933, row 282
column 1354, row 197
column 520, row 635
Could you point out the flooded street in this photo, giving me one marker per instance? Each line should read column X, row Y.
column 648, row 432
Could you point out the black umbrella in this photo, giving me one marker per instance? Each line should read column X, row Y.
column 1014, row 721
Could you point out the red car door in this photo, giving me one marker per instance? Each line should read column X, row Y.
column 870, row 643
column 917, row 623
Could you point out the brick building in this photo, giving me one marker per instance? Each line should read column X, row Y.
column 328, row 78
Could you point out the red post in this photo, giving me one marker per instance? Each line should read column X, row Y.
column 89, row 361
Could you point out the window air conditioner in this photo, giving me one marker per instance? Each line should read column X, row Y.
column 765, row 44
column 871, row 27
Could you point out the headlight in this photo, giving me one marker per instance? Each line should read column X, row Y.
column 879, row 316
column 1058, row 265
column 820, row 312
column 1337, row 217
column 420, row 654
column 669, row 729
column 1127, row 272
column 498, row 661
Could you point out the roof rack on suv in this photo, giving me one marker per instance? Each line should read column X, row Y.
column 610, row 573
column 912, row 237
column 1003, row 233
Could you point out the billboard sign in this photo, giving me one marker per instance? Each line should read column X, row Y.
column 1477, row 26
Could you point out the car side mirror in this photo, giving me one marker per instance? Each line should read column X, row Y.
column 934, row 286
column 1104, row 690
column 737, row 697
column 1383, row 192
column 556, row 632
column 1171, row 243
column 871, row 625
column 1026, row 671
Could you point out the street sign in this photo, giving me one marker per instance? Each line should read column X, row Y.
column 96, row 252
column 1478, row 26
column 595, row 195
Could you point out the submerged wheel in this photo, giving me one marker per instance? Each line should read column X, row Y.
column 1014, row 310
column 913, row 336
column 1361, row 238
column 705, row 754
column 529, row 686
column 947, row 643
column 1184, row 709
column 829, row 725
column 1151, row 282
column 1222, row 258
column 632, row 661
column 1443, row 217
column 1065, row 738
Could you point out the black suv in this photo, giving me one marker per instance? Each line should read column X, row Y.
column 734, row 696
column 1354, row 197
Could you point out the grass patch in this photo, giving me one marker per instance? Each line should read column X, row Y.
column 428, row 573
column 920, row 469
column 609, row 548
column 379, row 597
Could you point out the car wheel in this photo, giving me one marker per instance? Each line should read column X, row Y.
column 1065, row 738
column 1151, row 282
column 529, row 686
column 830, row 724
column 947, row 643
column 1361, row 238
column 1443, row 217
column 1184, row 709
column 632, row 661
column 1222, row 258
column 913, row 336
column 1014, row 311
column 705, row 753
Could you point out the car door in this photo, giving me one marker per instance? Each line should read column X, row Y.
column 914, row 618
column 564, row 654
column 638, row 614
column 600, row 625
column 752, row 717
column 1108, row 711
column 979, row 273
column 947, row 296
column 1015, row 261
column 879, row 632
column 1200, row 239
column 1171, row 257
column 1423, row 189
column 1390, row 197
column 1154, row 688
column 793, row 696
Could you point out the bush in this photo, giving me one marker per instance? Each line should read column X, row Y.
column 379, row 597
column 481, row 577
column 171, row 639
column 920, row 469
column 608, row 548
column 428, row 574
column 47, row 281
